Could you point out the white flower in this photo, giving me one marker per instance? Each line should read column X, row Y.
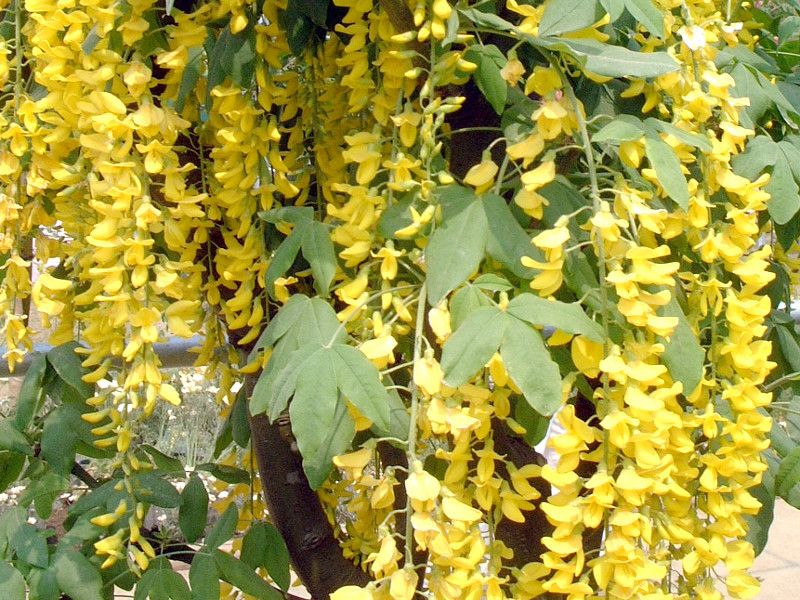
column 694, row 37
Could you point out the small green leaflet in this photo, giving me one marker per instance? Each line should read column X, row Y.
column 264, row 547
column 565, row 16
column 456, row 249
column 668, row 168
column 191, row 75
column 646, row 13
column 489, row 329
column 12, row 439
column 238, row 574
column 473, row 344
column 683, row 356
column 11, row 582
column 782, row 186
column 193, row 513
column 622, row 128
column 320, row 423
column 788, row 473
column 314, row 239
column 695, row 140
column 530, row 367
column 77, row 577
column 490, row 60
column 204, row 577
column 234, row 56
column 224, row 528
column 569, row 318
column 608, row 60
column 507, row 242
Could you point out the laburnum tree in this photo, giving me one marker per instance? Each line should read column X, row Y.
column 412, row 236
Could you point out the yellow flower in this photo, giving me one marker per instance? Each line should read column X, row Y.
column 403, row 583
column 379, row 350
column 422, row 489
column 481, row 176
column 428, row 374
column 354, row 463
column 352, row 592
column 512, row 71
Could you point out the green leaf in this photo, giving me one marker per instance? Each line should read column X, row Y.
column 300, row 361
column 465, row 301
column 191, row 75
column 12, row 583
column 789, row 348
column 668, row 169
column 490, row 60
column 758, row 525
column 193, row 513
column 695, row 140
column 316, row 10
column 91, row 41
column 175, row 585
column 507, row 242
column 336, row 439
column 569, row 318
column 784, row 199
column 44, row 492
column 614, row 8
column 12, row 439
column 622, row 128
column 30, row 545
column 240, row 425
column 359, row 380
column 223, row 529
column 788, row 473
column 316, row 415
column 646, row 13
column 493, row 283
column 11, row 465
column 748, row 86
column 30, row 393
column 318, row 251
column 319, row 324
column 152, row 488
column 472, row 345
column 395, row 217
column 238, row 574
column 535, row 424
column 163, row 462
column 299, row 30
column 204, row 577
column 565, row 16
column 67, row 365
column 283, row 258
column 683, row 355
column 77, row 577
column 296, row 215
column 607, row 60
column 225, row 473
column 761, row 152
column 58, row 439
column 43, row 585
column 234, row 56
column 530, row 367
column 486, row 19
column 455, row 250
column 264, row 547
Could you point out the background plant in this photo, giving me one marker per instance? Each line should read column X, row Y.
column 410, row 234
